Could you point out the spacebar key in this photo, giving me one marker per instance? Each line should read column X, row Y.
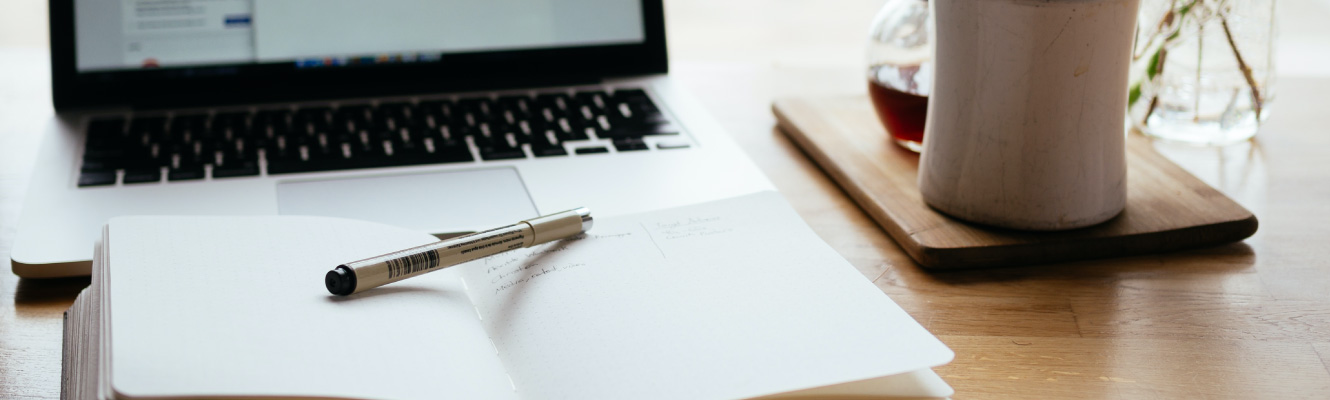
column 501, row 153
column 247, row 168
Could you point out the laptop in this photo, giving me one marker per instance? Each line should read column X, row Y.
column 443, row 116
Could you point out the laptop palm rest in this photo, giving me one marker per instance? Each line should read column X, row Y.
column 433, row 202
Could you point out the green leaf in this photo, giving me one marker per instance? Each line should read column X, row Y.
column 1182, row 13
column 1152, row 69
column 1134, row 94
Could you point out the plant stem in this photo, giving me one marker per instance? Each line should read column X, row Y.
column 1154, row 102
column 1166, row 21
column 1200, row 53
column 1159, row 71
column 1242, row 65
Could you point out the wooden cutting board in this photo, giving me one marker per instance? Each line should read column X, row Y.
column 1167, row 208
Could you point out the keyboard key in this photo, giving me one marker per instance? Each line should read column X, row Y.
column 572, row 130
column 441, row 150
column 630, row 145
column 629, row 129
column 141, row 175
column 100, row 178
column 501, row 152
column 548, row 151
column 137, row 157
column 450, row 155
column 96, row 164
column 245, row 168
column 547, row 145
column 187, row 173
column 592, row 150
column 671, row 146
column 511, row 154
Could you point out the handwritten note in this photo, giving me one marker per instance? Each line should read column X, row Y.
column 529, row 272
column 506, row 271
column 692, row 227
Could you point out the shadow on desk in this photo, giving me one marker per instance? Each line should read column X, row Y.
column 1067, row 292
column 42, row 291
column 1228, row 258
column 43, row 296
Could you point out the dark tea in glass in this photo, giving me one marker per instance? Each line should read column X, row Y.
column 901, row 113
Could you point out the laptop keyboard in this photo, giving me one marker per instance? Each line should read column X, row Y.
column 228, row 144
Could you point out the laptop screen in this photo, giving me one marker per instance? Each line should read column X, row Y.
column 123, row 35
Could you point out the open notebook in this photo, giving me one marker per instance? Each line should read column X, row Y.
column 731, row 299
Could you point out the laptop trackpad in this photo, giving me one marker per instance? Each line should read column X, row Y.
column 433, row 202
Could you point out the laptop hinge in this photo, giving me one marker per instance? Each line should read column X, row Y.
column 278, row 93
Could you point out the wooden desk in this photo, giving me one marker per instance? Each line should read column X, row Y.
column 1249, row 320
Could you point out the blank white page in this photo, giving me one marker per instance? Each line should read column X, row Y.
column 729, row 299
column 236, row 306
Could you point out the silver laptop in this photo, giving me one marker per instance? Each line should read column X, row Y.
column 442, row 116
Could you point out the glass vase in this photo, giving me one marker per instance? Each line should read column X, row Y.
column 1203, row 70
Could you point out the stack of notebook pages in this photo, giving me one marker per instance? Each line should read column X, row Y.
column 731, row 299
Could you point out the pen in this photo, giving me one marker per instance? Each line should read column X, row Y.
column 358, row 276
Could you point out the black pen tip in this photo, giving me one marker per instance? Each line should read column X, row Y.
column 341, row 281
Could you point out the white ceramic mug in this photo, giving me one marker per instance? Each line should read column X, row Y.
column 1026, row 121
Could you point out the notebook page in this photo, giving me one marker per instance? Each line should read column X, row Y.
column 236, row 306
column 920, row 384
column 735, row 298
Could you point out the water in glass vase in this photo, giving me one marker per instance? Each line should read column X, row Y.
column 1208, row 73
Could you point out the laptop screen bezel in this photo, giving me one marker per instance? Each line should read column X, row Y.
column 237, row 84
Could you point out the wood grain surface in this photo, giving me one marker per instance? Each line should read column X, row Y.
column 1239, row 321
column 1167, row 209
